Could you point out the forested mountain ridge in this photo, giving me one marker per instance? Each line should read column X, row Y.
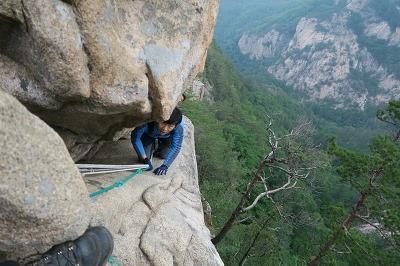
column 322, row 218
column 294, row 225
column 346, row 52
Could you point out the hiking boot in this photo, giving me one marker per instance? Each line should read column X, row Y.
column 91, row 249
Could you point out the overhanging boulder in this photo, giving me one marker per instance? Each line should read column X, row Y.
column 92, row 68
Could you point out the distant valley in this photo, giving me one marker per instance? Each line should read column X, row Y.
column 342, row 53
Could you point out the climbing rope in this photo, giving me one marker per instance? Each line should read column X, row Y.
column 117, row 184
column 113, row 261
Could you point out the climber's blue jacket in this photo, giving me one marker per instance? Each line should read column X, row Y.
column 151, row 130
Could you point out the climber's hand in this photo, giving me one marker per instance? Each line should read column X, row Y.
column 147, row 161
column 162, row 170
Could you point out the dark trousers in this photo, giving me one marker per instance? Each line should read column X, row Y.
column 158, row 147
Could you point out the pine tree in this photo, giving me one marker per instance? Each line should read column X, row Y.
column 376, row 176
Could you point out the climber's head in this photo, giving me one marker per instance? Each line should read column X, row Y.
column 169, row 125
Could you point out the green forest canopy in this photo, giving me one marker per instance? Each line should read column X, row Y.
column 230, row 140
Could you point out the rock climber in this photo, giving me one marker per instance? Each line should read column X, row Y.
column 161, row 139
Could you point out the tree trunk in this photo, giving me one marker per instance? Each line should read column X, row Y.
column 253, row 242
column 245, row 195
column 345, row 224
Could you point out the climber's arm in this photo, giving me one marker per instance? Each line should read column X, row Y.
column 136, row 136
column 175, row 146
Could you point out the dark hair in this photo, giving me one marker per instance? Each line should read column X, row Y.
column 175, row 118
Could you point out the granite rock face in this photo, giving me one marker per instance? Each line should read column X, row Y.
column 201, row 90
column 156, row 220
column 94, row 67
column 258, row 48
column 346, row 58
column 11, row 10
column 43, row 199
column 325, row 60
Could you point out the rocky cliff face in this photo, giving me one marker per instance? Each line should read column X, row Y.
column 155, row 220
column 92, row 68
column 201, row 90
column 345, row 57
column 43, row 199
column 261, row 47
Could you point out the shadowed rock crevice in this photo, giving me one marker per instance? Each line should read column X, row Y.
column 11, row 11
column 152, row 91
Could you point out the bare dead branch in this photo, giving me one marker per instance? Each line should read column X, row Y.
column 290, row 165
